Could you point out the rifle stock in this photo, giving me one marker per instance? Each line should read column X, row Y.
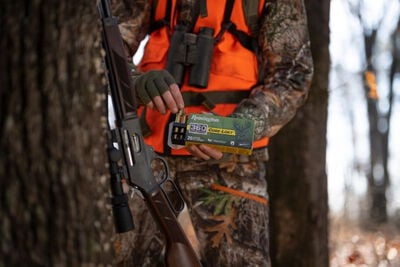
column 132, row 159
column 178, row 249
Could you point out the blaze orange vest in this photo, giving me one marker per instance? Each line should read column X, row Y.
column 234, row 70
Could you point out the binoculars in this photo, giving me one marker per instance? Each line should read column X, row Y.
column 193, row 51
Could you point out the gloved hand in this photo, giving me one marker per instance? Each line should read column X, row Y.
column 157, row 88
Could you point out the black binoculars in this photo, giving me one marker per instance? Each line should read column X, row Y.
column 193, row 51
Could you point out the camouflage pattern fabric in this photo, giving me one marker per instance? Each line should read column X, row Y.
column 231, row 227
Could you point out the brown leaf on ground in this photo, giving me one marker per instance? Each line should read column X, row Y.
column 354, row 246
column 355, row 257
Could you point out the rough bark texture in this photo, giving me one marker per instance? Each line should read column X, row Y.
column 52, row 177
column 297, row 178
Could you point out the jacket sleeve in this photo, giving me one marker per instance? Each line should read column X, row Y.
column 286, row 67
column 134, row 21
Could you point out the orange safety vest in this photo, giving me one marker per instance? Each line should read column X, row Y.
column 234, row 69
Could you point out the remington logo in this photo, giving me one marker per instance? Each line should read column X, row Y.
column 203, row 118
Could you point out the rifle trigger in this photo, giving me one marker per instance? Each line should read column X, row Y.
column 132, row 192
column 135, row 191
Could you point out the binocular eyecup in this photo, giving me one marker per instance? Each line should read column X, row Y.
column 193, row 51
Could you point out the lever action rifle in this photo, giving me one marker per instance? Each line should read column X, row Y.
column 131, row 159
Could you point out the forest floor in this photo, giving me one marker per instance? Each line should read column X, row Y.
column 351, row 246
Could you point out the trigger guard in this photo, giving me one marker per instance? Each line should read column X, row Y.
column 166, row 170
column 178, row 201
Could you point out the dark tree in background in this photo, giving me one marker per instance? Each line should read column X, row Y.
column 378, row 176
column 52, row 175
column 297, row 177
column 378, row 173
column 377, row 39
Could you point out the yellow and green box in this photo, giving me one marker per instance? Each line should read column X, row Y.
column 233, row 135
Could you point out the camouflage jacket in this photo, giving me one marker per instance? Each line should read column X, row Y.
column 285, row 58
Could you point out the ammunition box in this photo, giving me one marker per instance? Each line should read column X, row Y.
column 232, row 135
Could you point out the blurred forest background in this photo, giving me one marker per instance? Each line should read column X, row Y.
column 54, row 183
column 363, row 154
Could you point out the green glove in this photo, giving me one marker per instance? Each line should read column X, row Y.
column 151, row 84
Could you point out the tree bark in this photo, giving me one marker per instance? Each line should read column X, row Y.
column 297, row 177
column 53, row 186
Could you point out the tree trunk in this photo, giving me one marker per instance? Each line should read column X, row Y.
column 378, row 174
column 297, row 178
column 53, row 186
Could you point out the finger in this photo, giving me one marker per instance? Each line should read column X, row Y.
column 177, row 95
column 168, row 78
column 141, row 91
column 211, row 152
column 150, row 105
column 175, row 91
column 161, row 85
column 152, row 90
column 164, row 90
column 195, row 151
column 143, row 97
column 170, row 101
column 159, row 104
column 154, row 87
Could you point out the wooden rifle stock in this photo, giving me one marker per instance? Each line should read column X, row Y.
column 179, row 252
